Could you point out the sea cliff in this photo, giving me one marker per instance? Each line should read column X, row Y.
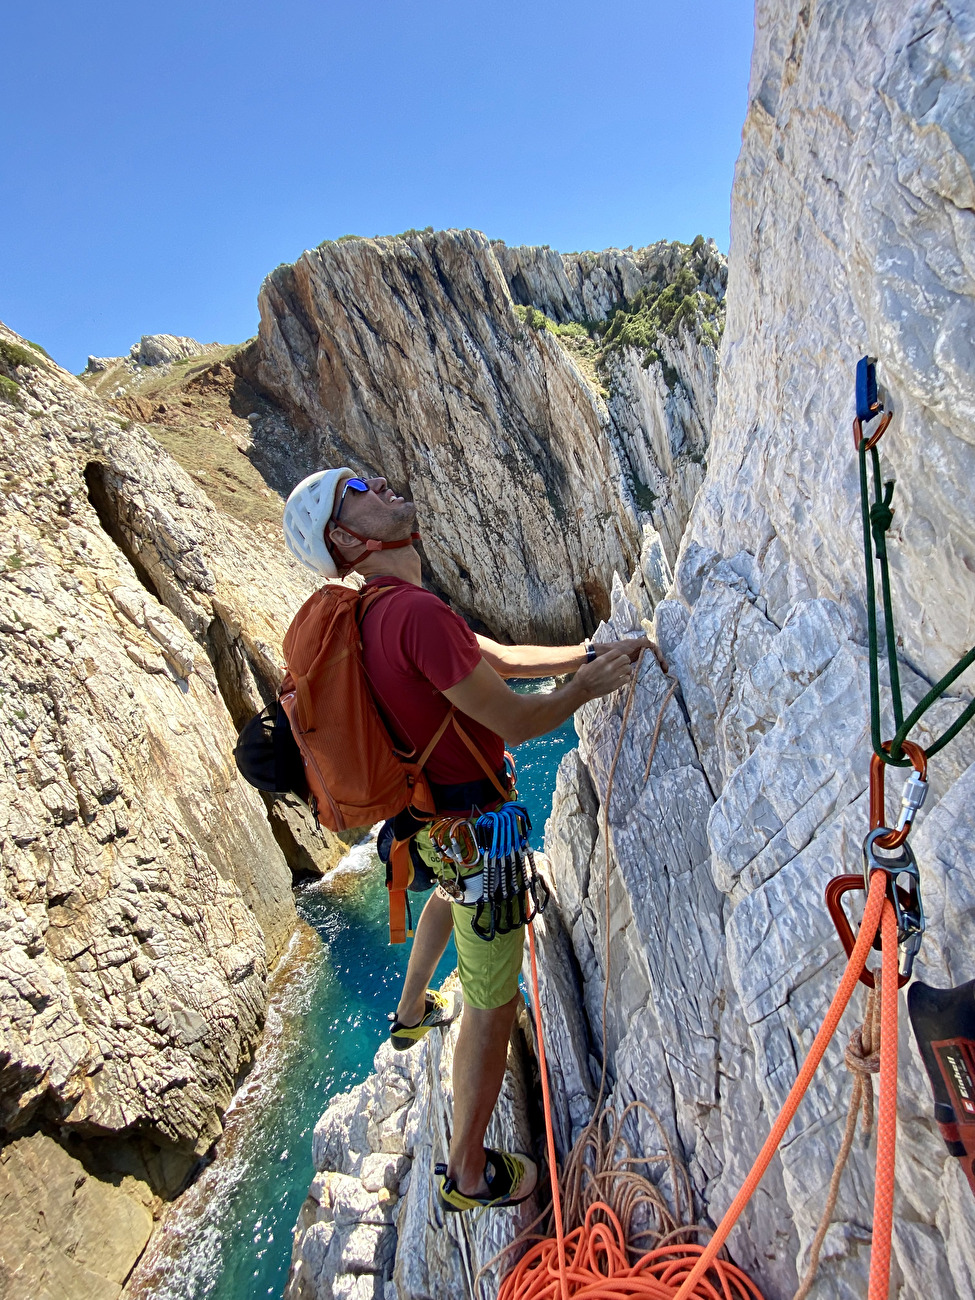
column 852, row 233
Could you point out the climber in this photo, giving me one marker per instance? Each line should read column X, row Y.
column 420, row 658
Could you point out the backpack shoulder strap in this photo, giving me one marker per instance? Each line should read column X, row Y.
column 476, row 751
column 365, row 601
column 367, row 597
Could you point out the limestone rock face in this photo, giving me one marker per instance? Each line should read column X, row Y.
column 371, row 1226
column 162, row 349
column 143, row 896
column 590, row 286
column 661, row 421
column 404, row 356
column 852, row 233
column 53, row 1219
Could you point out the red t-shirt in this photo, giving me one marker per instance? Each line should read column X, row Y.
column 413, row 647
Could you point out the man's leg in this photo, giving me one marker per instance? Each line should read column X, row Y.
column 480, row 1057
column 429, row 941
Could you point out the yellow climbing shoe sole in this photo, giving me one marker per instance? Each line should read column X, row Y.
column 438, row 1012
column 511, row 1178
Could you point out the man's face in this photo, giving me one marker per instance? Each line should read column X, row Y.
column 378, row 513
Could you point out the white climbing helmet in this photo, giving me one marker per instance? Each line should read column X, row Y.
column 306, row 513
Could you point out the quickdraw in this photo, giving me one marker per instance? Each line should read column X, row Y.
column 885, row 849
column 508, row 873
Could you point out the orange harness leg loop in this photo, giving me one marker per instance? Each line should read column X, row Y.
column 400, row 874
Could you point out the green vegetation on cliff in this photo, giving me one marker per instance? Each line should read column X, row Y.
column 659, row 309
column 13, row 354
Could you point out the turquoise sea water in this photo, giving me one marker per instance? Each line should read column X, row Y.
column 229, row 1237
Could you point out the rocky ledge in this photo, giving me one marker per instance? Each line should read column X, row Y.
column 144, row 894
column 372, row 1225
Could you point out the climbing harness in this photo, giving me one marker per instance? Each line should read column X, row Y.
column 594, row 1258
column 500, row 892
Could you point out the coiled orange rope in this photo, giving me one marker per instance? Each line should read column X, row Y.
column 592, row 1261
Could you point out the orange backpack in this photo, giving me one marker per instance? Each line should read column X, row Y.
column 356, row 776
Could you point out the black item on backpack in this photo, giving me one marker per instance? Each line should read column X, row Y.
column 403, row 826
column 267, row 755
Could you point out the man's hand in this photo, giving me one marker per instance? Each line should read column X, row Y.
column 630, row 646
column 607, row 672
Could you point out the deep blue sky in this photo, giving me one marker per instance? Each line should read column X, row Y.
column 159, row 160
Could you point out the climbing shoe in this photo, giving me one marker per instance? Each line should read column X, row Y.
column 510, row 1178
column 438, row 1012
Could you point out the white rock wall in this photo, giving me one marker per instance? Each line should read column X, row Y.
column 853, row 232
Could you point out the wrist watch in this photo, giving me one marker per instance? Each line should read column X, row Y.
column 590, row 652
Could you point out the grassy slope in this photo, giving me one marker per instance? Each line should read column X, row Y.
column 196, row 409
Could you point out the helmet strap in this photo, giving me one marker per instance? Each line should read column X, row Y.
column 370, row 544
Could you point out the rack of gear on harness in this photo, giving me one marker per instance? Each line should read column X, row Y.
column 593, row 1258
column 498, row 843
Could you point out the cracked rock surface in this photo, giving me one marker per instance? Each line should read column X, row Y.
column 405, row 356
column 143, row 895
column 372, row 1227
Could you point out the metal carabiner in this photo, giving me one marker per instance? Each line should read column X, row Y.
column 536, row 887
column 835, row 890
column 915, row 790
column 908, row 910
column 903, row 890
column 871, row 401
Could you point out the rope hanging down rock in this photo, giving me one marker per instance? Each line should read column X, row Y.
column 862, row 1059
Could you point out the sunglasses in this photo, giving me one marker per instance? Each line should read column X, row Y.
column 357, row 485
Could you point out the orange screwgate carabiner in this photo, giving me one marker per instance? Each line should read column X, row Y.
column 877, row 434
column 915, row 789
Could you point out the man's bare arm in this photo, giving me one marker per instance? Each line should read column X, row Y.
column 550, row 661
column 484, row 697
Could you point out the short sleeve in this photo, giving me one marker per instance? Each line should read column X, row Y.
column 438, row 643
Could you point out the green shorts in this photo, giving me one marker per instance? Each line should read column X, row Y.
column 488, row 969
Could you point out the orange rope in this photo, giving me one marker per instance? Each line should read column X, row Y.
column 883, row 1201
column 592, row 1261
column 549, row 1132
column 851, row 976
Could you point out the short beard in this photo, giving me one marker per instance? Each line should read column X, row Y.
column 400, row 526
